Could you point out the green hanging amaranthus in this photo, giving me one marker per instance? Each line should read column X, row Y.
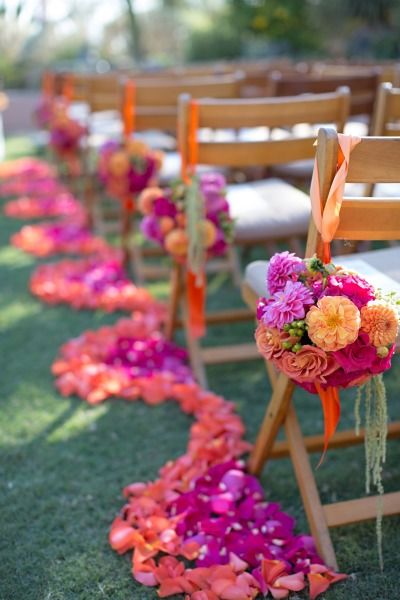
column 195, row 215
column 373, row 393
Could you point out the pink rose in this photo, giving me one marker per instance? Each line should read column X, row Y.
column 307, row 365
column 356, row 356
column 342, row 379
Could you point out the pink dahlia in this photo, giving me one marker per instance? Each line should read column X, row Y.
column 283, row 266
column 286, row 305
column 357, row 289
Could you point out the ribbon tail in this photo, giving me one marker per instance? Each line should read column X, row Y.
column 196, row 299
column 331, row 409
column 326, row 253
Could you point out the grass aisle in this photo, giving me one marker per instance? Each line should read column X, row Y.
column 63, row 463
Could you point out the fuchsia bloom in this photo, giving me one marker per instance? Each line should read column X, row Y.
column 354, row 287
column 283, row 267
column 286, row 305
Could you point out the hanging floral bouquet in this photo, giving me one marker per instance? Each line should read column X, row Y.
column 126, row 168
column 44, row 112
column 65, row 136
column 167, row 222
column 327, row 328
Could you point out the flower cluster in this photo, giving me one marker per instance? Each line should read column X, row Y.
column 324, row 324
column 65, row 237
column 38, row 207
column 165, row 218
column 26, row 169
column 43, row 112
column 97, row 283
column 65, row 133
column 127, row 168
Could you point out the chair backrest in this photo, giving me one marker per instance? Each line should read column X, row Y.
column 284, row 113
column 363, row 87
column 156, row 100
column 386, row 119
column 373, row 160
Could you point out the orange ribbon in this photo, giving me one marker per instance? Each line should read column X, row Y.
column 128, row 110
column 196, row 299
column 330, row 401
column 68, row 87
column 326, row 218
column 129, row 204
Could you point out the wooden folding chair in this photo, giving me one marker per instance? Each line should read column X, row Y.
column 154, row 106
column 363, row 87
column 261, row 209
column 373, row 160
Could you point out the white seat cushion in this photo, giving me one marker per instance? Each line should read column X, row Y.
column 385, row 261
column 268, row 209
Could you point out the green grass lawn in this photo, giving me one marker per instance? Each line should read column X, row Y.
column 64, row 463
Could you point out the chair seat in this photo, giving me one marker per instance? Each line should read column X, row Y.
column 268, row 209
column 386, row 262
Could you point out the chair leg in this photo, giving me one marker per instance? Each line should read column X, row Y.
column 234, row 265
column 193, row 344
column 175, row 298
column 308, row 488
column 273, row 419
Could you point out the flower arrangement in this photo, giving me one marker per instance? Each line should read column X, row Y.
column 166, row 220
column 66, row 237
column 323, row 325
column 59, row 205
column 44, row 112
column 66, row 135
column 26, row 168
column 126, row 168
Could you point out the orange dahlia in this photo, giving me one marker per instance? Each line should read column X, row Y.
column 380, row 322
column 333, row 323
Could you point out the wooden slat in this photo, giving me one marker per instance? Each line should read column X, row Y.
column 361, row 509
column 234, row 353
column 273, row 112
column 233, row 315
column 375, row 160
column 369, row 218
column 242, row 154
column 341, row 439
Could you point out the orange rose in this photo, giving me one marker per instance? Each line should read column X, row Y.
column 177, row 242
column 147, row 197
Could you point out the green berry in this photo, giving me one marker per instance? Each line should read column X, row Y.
column 286, row 327
column 296, row 347
column 286, row 345
column 292, row 332
column 299, row 333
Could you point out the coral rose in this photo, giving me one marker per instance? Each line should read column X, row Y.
column 333, row 323
column 381, row 323
column 308, row 365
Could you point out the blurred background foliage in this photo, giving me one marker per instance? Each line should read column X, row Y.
column 97, row 34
